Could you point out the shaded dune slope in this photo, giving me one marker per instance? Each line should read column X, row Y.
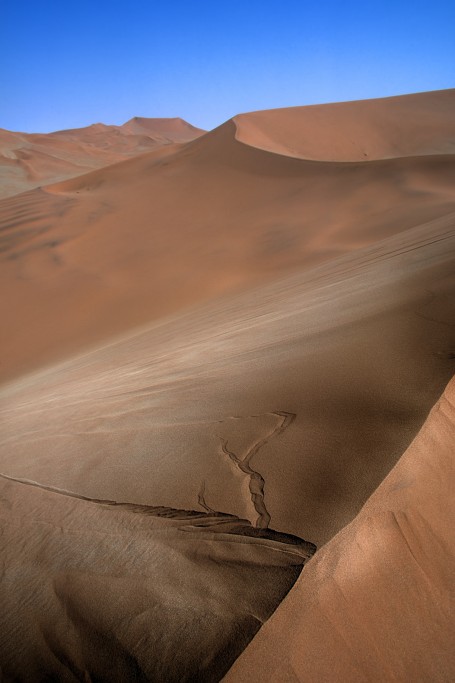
column 288, row 404
column 84, row 604
column 183, row 420
column 131, row 242
column 377, row 602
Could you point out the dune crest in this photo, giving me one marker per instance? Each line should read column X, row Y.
column 366, row 130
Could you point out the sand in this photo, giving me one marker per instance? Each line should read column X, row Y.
column 29, row 160
column 377, row 602
column 111, row 592
column 214, row 356
column 93, row 256
column 407, row 126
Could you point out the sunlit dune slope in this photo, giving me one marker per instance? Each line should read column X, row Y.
column 28, row 160
column 377, row 602
column 120, row 246
column 409, row 125
column 165, row 130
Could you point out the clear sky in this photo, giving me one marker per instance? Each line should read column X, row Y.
column 68, row 64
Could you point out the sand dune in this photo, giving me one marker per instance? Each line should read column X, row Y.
column 357, row 350
column 163, row 485
column 28, row 160
column 211, row 577
column 316, row 383
column 120, row 246
column 377, row 602
column 410, row 125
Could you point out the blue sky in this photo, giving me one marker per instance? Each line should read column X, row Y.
column 65, row 64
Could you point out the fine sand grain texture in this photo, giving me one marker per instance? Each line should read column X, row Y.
column 377, row 602
column 213, row 357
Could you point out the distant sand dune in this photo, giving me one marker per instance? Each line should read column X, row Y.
column 28, row 160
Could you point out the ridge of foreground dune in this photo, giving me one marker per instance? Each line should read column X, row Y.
column 377, row 602
column 364, row 130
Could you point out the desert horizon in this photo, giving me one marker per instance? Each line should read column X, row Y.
column 227, row 396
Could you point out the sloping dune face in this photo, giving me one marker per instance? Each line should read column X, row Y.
column 316, row 383
column 279, row 409
column 377, row 603
column 163, row 488
column 410, row 125
column 101, row 591
column 31, row 160
column 93, row 256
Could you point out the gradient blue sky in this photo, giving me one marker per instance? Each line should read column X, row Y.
column 66, row 64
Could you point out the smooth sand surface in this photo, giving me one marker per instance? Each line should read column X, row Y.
column 286, row 407
column 98, row 254
column 377, row 602
column 29, row 160
column 296, row 327
column 410, row 125
column 355, row 352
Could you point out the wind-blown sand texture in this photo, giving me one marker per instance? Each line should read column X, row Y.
column 213, row 355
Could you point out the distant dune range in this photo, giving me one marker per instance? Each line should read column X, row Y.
column 214, row 351
column 28, row 160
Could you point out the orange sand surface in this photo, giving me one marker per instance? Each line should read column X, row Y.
column 213, row 357
column 93, row 256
